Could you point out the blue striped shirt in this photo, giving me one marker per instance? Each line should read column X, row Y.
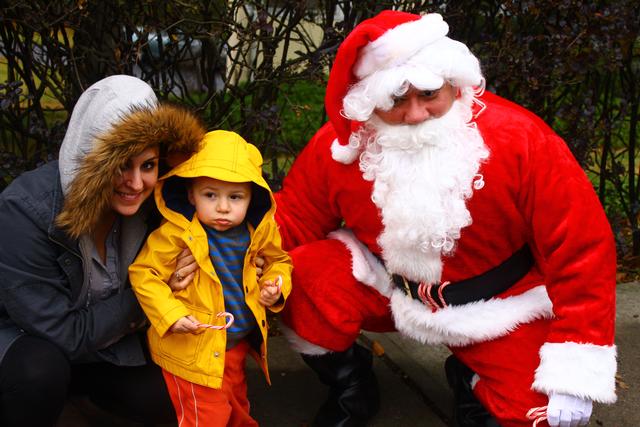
column 227, row 250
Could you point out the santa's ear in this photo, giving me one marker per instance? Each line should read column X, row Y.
column 458, row 91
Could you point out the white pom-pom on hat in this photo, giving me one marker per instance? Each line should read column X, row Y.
column 345, row 154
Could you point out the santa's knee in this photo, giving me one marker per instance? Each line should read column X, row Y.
column 328, row 305
column 321, row 263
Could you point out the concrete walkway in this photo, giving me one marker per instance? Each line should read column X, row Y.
column 414, row 390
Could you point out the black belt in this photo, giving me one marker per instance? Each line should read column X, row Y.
column 481, row 287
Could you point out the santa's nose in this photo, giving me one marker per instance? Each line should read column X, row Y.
column 416, row 111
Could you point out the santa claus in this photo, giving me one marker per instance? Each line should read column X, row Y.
column 427, row 206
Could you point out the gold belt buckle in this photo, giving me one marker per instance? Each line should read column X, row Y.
column 406, row 286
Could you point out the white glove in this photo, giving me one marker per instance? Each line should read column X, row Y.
column 565, row 410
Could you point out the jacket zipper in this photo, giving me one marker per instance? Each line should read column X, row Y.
column 85, row 290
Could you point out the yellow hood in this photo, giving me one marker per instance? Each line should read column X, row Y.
column 225, row 156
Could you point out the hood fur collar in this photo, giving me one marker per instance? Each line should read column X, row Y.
column 174, row 129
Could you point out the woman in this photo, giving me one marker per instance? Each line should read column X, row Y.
column 69, row 230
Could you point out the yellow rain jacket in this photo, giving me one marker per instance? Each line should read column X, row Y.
column 199, row 358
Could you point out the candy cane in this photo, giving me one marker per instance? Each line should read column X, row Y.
column 226, row 326
column 537, row 415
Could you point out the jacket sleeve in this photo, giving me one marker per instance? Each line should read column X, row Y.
column 150, row 273
column 306, row 211
column 37, row 294
column 277, row 262
column 576, row 246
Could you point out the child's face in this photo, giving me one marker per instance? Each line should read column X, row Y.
column 220, row 205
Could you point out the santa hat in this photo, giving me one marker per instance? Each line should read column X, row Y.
column 391, row 40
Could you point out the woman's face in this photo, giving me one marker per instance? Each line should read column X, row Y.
column 132, row 187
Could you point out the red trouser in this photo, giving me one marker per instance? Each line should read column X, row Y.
column 506, row 368
column 197, row 405
column 328, row 307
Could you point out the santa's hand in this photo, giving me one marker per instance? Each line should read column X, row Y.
column 565, row 410
column 259, row 262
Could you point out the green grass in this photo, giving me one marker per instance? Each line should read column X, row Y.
column 302, row 118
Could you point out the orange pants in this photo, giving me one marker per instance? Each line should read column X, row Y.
column 197, row 405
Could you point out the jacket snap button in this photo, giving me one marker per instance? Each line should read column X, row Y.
column 67, row 261
column 216, row 354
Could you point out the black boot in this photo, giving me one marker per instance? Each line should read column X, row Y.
column 353, row 389
column 467, row 411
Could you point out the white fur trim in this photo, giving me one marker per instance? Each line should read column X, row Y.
column 300, row 345
column 344, row 154
column 469, row 323
column 365, row 266
column 400, row 43
column 584, row 370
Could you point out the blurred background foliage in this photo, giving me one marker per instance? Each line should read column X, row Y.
column 260, row 67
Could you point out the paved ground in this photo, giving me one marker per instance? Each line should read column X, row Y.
column 413, row 386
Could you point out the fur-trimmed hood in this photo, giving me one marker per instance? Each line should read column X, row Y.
column 115, row 119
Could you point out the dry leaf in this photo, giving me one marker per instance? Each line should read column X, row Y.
column 377, row 348
column 621, row 384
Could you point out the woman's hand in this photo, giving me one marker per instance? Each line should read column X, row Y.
column 186, row 267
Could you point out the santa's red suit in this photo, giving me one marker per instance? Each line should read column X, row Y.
column 550, row 331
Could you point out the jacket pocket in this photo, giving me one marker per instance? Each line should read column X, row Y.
column 184, row 348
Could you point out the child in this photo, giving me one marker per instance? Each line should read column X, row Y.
column 218, row 205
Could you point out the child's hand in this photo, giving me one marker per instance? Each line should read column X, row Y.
column 270, row 292
column 185, row 325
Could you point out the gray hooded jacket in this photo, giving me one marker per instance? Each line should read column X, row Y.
column 44, row 213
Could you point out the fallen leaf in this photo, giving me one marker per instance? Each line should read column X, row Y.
column 621, row 384
column 377, row 348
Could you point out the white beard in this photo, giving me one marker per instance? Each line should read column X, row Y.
column 422, row 177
